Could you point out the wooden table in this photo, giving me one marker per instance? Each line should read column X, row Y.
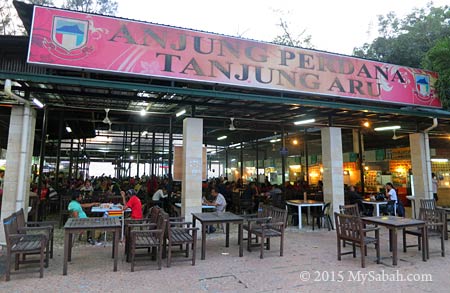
column 219, row 218
column 77, row 225
column 398, row 223
column 304, row 203
column 376, row 204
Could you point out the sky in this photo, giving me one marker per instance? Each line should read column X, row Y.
column 335, row 26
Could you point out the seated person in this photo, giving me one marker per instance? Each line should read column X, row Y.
column 76, row 211
column 218, row 200
column 160, row 197
column 130, row 200
column 356, row 198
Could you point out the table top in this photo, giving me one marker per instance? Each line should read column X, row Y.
column 304, row 202
column 92, row 223
column 102, row 210
column 178, row 205
column 374, row 201
column 393, row 221
column 217, row 216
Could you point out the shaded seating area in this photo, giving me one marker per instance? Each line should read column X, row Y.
column 21, row 244
column 350, row 229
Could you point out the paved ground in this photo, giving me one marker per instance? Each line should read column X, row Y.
column 309, row 265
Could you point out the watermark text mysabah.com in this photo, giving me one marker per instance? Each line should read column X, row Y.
column 363, row 277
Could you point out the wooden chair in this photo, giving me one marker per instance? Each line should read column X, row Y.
column 46, row 227
column 180, row 233
column 150, row 218
column 435, row 220
column 428, row 204
column 350, row 209
column 350, row 229
column 265, row 228
column 64, row 213
column 151, row 237
column 23, row 244
column 323, row 214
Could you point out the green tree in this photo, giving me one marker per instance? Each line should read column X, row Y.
column 406, row 41
column 438, row 59
column 95, row 6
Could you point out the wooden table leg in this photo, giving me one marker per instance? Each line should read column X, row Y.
column 66, row 251
column 203, row 240
column 241, row 243
column 227, row 234
column 394, row 247
column 390, row 239
column 424, row 244
column 116, row 248
column 113, row 244
column 69, row 258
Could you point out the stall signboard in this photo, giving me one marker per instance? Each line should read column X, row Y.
column 91, row 42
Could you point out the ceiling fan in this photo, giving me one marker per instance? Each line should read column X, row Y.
column 395, row 137
column 106, row 119
column 232, row 127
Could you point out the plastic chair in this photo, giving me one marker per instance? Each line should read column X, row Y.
column 325, row 215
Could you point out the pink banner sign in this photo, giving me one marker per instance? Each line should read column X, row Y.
column 99, row 43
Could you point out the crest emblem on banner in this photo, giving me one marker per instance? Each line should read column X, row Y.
column 69, row 34
column 422, row 84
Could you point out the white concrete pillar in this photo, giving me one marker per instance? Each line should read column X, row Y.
column 191, row 191
column 19, row 151
column 333, row 173
column 421, row 167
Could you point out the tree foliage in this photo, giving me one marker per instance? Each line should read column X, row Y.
column 406, row 41
column 419, row 40
column 438, row 59
column 95, row 6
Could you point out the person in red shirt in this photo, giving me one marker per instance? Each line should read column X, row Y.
column 130, row 200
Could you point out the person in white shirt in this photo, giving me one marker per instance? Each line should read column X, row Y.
column 391, row 194
column 219, row 200
column 159, row 194
column 434, row 185
column 160, row 197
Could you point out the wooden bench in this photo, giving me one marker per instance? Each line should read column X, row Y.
column 20, row 243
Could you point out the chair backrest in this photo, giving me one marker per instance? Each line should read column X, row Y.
column 435, row 218
column 11, row 226
column 154, row 214
column 348, row 227
column 20, row 218
column 326, row 208
column 428, row 203
column 350, row 209
column 278, row 215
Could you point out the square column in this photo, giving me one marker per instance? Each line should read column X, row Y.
column 333, row 172
column 16, row 185
column 191, row 190
column 421, row 167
